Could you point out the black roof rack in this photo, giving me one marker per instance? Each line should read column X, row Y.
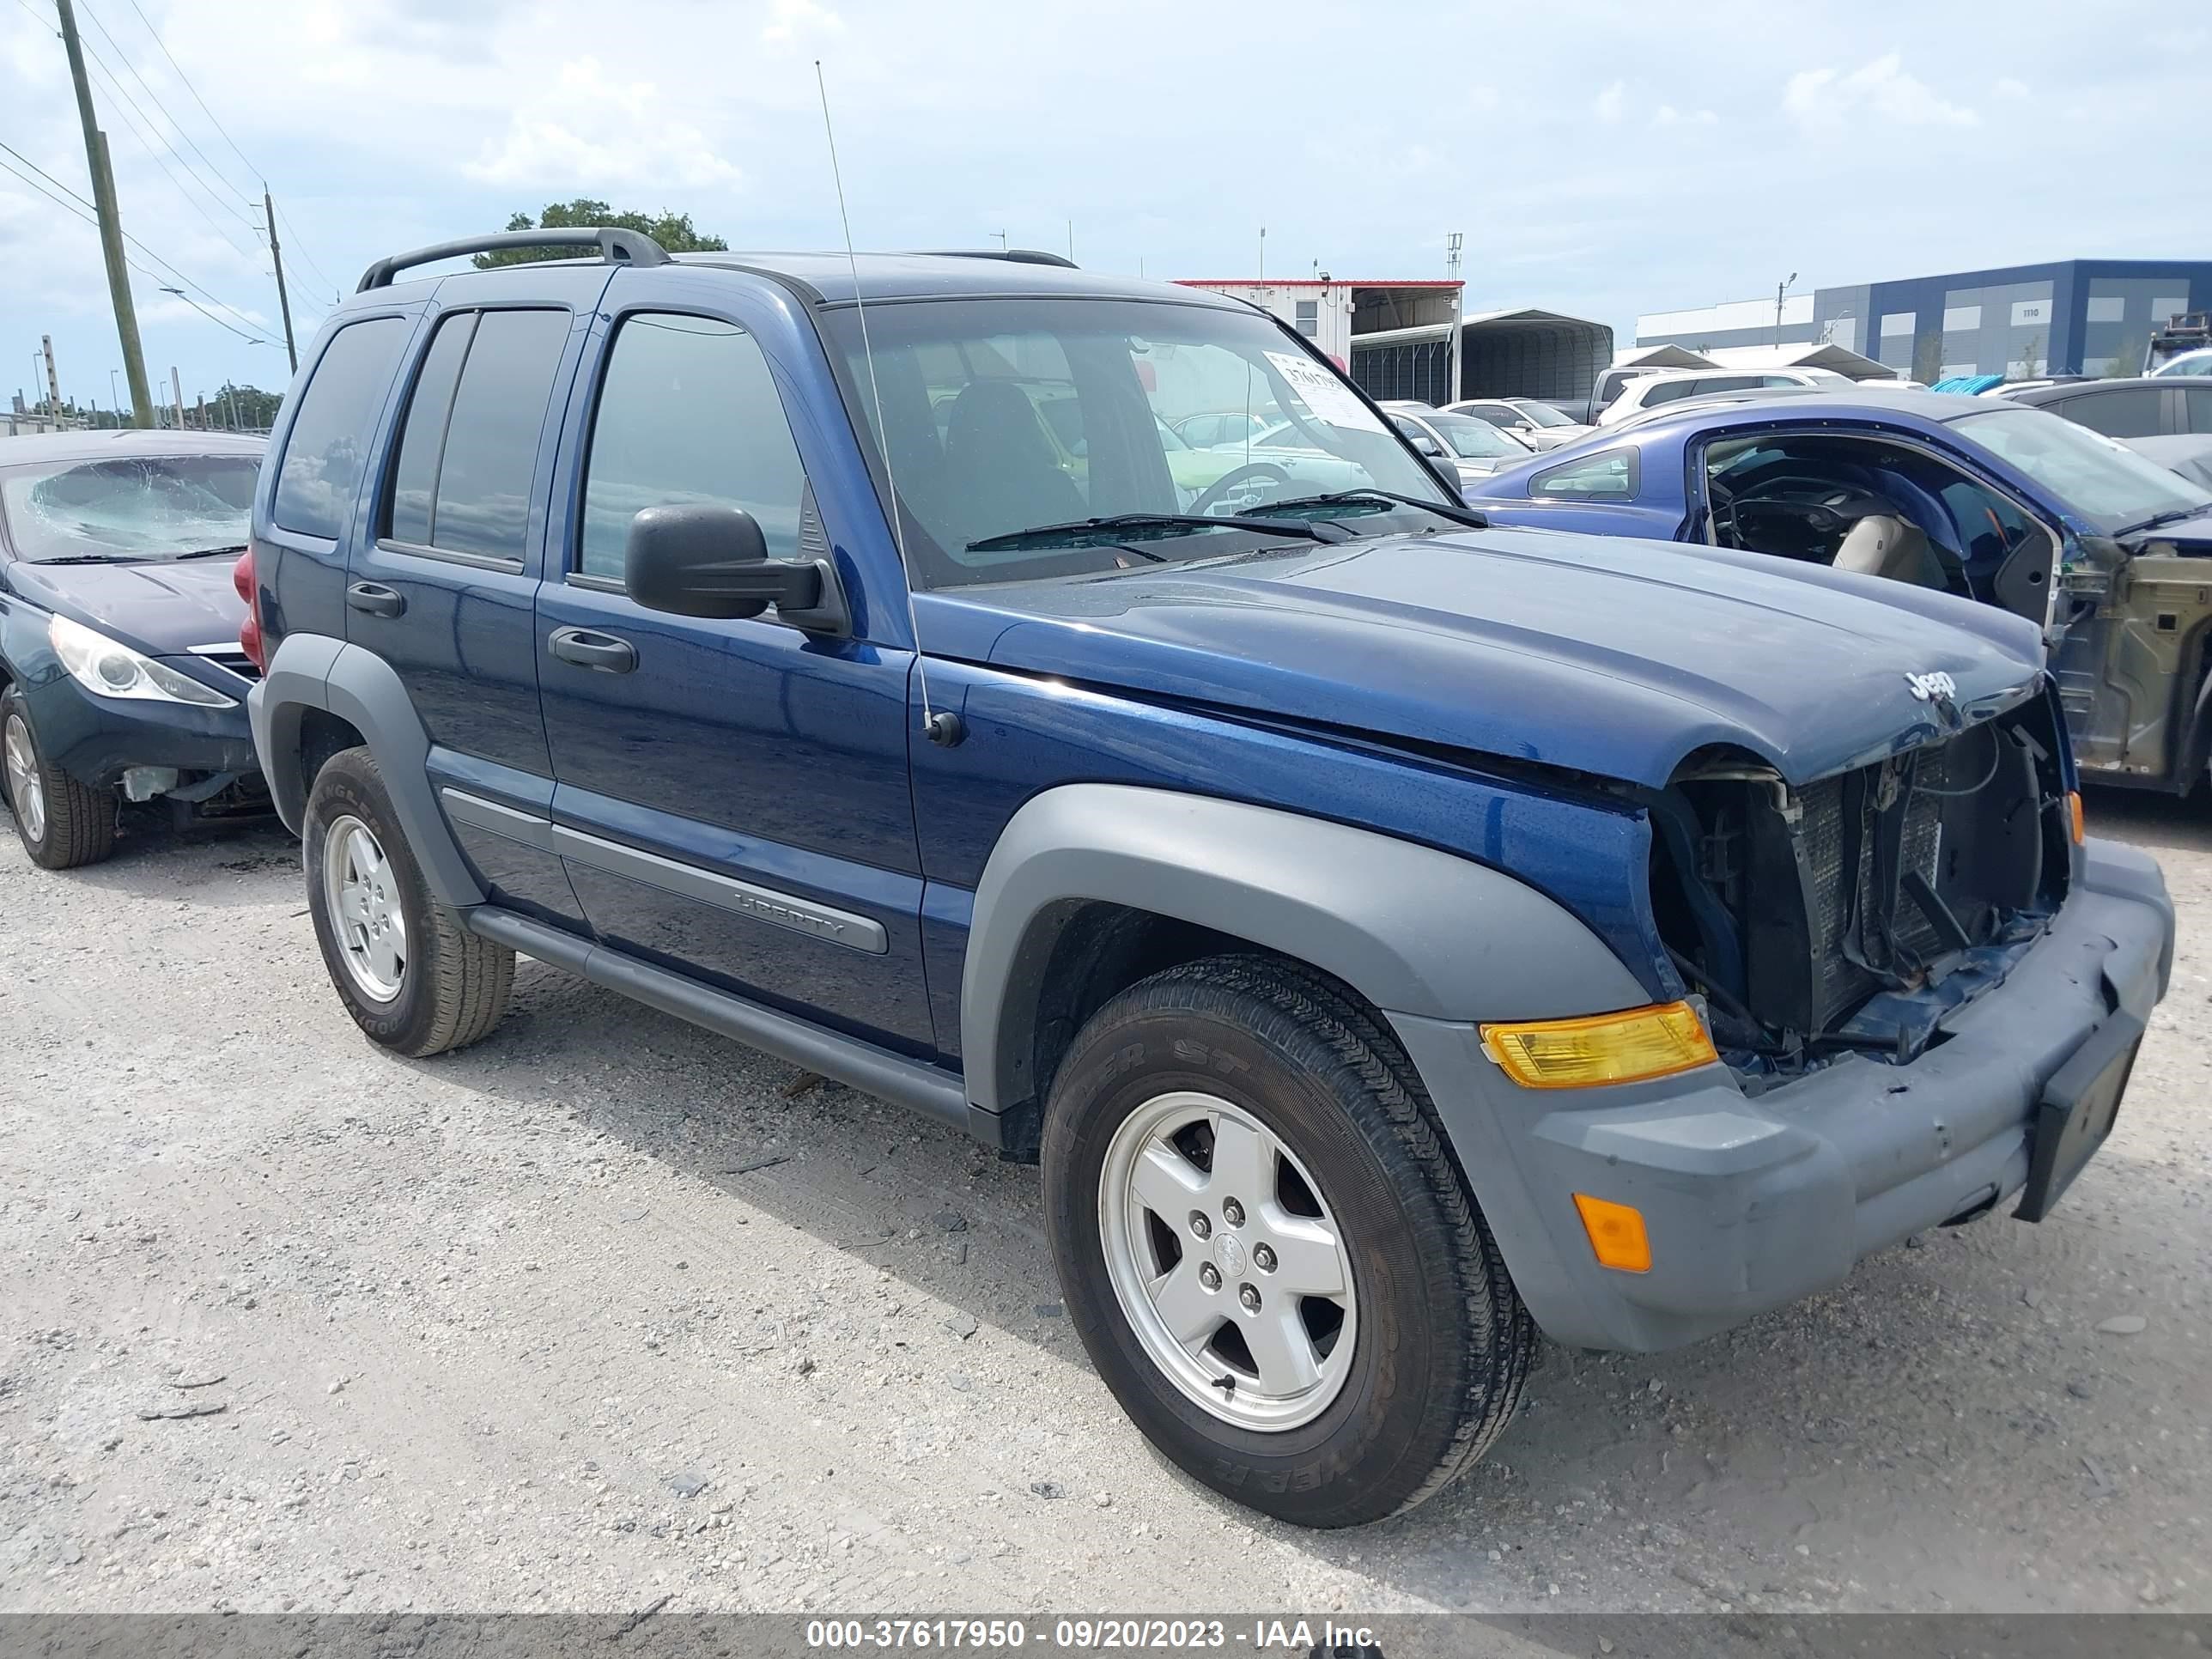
column 616, row 244
column 1020, row 256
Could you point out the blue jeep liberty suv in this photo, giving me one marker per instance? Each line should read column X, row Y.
column 1392, row 936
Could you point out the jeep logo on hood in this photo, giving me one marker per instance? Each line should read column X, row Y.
column 1933, row 687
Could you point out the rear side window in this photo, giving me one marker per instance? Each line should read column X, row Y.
column 2133, row 412
column 687, row 416
column 469, row 449
column 422, row 438
column 2200, row 409
column 1607, row 478
column 328, row 447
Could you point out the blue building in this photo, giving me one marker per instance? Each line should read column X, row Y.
column 2078, row 316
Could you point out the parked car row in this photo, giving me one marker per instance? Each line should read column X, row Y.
column 1392, row 932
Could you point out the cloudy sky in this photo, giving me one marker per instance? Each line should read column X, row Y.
column 1601, row 159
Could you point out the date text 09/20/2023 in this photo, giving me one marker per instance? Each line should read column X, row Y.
column 1100, row 1634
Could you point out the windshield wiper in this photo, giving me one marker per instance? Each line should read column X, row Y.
column 1466, row 515
column 1129, row 524
column 142, row 558
column 2158, row 519
column 96, row 558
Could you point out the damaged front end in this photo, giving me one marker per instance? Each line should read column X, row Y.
column 1851, row 913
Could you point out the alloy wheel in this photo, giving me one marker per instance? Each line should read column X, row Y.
column 27, row 789
column 362, row 895
column 1226, row 1260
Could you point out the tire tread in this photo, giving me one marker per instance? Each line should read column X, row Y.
column 1498, row 1372
column 81, row 821
column 469, row 977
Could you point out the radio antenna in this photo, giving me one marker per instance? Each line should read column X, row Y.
column 942, row 727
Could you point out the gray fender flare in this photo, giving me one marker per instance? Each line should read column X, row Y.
column 312, row 670
column 1415, row 931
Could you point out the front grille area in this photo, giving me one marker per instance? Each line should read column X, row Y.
column 230, row 657
column 1838, row 893
column 1791, row 907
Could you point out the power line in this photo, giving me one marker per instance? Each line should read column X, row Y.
column 263, row 233
column 132, row 107
column 136, row 121
column 159, row 105
column 151, row 277
column 81, row 208
column 305, row 257
column 195, row 91
column 298, row 246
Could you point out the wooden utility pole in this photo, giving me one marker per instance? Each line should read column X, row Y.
column 110, row 224
column 269, row 213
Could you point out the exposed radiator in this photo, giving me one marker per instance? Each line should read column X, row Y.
column 1843, row 983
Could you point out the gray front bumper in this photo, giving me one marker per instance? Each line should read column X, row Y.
column 1751, row 1203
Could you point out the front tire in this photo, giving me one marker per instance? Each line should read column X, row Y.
column 62, row 823
column 413, row 978
column 1267, row 1250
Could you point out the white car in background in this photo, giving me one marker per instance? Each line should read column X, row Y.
column 1669, row 385
column 1474, row 448
column 2188, row 363
column 1535, row 423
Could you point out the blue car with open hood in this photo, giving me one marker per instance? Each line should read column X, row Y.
column 121, row 673
column 1392, row 934
column 2108, row 553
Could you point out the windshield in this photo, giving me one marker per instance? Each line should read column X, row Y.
column 1004, row 415
column 2101, row 481
column 145, row 507
column 1468, row 436
column 1542, row 414
column 2189, row 363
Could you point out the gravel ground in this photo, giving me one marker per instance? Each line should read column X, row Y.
column 606, row 1311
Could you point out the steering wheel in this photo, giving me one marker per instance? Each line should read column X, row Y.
column 1225, row 488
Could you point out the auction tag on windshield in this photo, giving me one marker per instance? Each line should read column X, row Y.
column 1333, row 402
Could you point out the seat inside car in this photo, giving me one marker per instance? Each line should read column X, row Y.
column 1000, row 465
column 1880, row 544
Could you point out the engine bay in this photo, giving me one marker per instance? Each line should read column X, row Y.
column 1850, row 915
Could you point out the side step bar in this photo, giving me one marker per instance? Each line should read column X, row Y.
column 847, row 1060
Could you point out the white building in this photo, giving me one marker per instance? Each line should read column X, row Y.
column 1396, row 339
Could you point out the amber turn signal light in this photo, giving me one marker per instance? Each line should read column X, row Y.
column 1616, row 1234
column 1623, row 1048
column 2074, row 816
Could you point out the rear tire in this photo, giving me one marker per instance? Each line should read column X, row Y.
column 62, row 823
column 1211, row 1066
column 413, row 978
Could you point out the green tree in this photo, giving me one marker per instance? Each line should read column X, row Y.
column 673, row 231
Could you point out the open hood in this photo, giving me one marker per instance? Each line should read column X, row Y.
column 1601, row 654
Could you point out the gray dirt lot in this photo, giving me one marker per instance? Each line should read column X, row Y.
column 598, row 1312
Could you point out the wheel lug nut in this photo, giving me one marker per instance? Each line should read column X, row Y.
column 1200, row 1226
column 1209, row 1275
column 1263, row 1258
column 1233, row 1212
column 1249, row 1297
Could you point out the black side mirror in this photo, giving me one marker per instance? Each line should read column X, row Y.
column 709, row 561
